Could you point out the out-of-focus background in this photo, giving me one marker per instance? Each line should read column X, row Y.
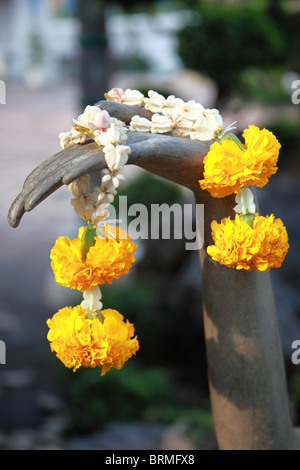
column 56, row 56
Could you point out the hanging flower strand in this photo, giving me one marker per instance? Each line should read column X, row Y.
column 87, row 335
column 249, row 241
column 229, row 165
column 170, row 115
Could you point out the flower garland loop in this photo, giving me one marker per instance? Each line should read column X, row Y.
column 88, row 336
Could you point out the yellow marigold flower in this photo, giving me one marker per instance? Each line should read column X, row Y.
column 234, row 243
column 239, row 246
column 264, row 149
column 108, row 259
column 81, row 341
column 228, row 167
column 274, row 244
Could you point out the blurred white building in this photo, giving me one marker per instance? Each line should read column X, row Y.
column 39, row 39
column 149, row 36
column 35, row 42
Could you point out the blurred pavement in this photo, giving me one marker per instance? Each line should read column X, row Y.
column 29, row 126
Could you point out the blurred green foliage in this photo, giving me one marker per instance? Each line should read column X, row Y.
column 294, row 394
column 135, row 62
column 294, row 385
column 230, row 39
column 119, row 395
column 197, row 416
column 132, row 393
column 263, row 86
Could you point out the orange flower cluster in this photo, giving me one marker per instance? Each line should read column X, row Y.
column 108, row 259
column 87, row 336
column 239, row 246
column 228, row 166
column 104, row 342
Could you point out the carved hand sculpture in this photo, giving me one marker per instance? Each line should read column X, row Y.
column 246, row 372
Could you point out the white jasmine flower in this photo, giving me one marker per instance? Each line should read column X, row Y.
column 173, row 106
column 117, row 122
column 106, row 178
column 89, row 205
column 105, row 171
column 208, row 126
column 102, row 206
column 139, row 124
column 107, row 185
column 91, row 300
column 182, row 127
column 116, row 156
column 122, row 156
column 84, row 206
column 110, row 155
column 161, row 124
column 192, row 111
column 111, row 182
column 214, row 119
column 92, row 198
column 113, row 135
column 117, row 179
column 115, row 94
column 80, row 186
column 79, row 206
column 99, row 215
column 120, row 177
column 245, row 202
column 203, row 134
column 105, row 198
column 64, row 139
column 116, row 182
column 71, row 138
column 133, row 97
column 155, row 102
column 93, row 118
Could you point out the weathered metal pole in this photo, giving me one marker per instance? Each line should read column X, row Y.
column 247, row 380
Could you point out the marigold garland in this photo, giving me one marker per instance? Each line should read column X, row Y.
column 239, row 246
column 98, row 342
column 228, row 168
column 108, row 259
column 88, row 336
